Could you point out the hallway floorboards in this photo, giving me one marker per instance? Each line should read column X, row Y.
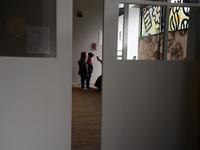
column 86, row 119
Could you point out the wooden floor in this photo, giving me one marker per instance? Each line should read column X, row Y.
column 86, row 119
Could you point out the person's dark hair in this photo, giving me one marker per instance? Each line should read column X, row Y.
column 90, row 54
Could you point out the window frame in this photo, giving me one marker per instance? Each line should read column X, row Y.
column 167, row 6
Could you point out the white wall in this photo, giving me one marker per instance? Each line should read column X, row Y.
column 35, row 95
column 146, row 104
column 120, row 30
column 133, row 32
column 120, row 37
column 85, row 32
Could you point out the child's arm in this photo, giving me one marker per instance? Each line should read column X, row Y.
column 99, row 59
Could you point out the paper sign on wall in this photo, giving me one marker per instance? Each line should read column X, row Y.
column 38, row 40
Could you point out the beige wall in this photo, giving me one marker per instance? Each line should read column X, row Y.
column 85, row 32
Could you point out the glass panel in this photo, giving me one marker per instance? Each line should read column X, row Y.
column 152, row 16
column 141, row 37
column 179, row 18
column 157, row 0
column 120, row 31
column 184, row 1
column 183, row 36
column 28, row 28
column 150, row 46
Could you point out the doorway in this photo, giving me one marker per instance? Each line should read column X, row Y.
column 86, row 105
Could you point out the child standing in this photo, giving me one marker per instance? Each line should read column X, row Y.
column 90, row 69
column 83, row 69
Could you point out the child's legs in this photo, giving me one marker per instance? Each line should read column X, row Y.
column 83, row 78
column 88, row 81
